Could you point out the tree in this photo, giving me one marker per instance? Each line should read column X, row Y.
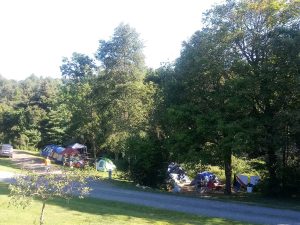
column 80, row 77
column 44, row 187
column 78, row 67
column 233, row 85
column 251, row 29
column 122, row 57
column 123, row 100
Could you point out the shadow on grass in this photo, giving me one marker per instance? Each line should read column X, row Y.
column 259, row 199
column 152, row 215
column 7, row 162
column 4, row 188
column 33, row 153
column 116, row 213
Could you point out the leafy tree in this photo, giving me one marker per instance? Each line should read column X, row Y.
column 122, row 57
column 231, row 85
column 80, row 77
column 78, row 67
column 123, row 100
column 44, row 187
column 252, row 28
column 148, row 160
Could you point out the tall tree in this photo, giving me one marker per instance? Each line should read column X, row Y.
column 252, row 28
column 238, row 83
column 122, row 57
column 80, row 76
column 78, row 67
column 123, row 98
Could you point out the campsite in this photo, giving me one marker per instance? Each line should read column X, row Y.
column 152, row 104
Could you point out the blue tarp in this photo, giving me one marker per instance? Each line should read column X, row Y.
column 58, row 149
column 48, row 150
column 204, row 176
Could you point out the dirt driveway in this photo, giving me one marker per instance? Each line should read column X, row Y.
column 31, row 161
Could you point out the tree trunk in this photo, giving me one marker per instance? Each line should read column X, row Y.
column 273, row 184
column 227, row 162
column 272, row 164
column 42, row 213
column 94, row 152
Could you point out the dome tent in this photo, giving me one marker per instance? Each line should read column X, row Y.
column 51, row 150
column 105, row 164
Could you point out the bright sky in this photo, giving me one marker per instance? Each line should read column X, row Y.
column 36, row 34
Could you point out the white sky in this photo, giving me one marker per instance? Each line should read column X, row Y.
column 36, row 34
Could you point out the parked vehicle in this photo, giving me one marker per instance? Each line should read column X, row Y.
column 6, row 150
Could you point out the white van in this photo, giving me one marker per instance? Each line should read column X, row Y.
column 6, row 150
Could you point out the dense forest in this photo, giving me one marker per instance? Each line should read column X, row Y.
column 232, row 94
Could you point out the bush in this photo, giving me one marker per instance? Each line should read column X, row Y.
column 148, row 161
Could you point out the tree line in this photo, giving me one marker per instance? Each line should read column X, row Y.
column 233, row 92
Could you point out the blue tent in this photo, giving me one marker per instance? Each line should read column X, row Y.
column 52, row 151
column 47, row 150
column 204, row 176
column 57, row 153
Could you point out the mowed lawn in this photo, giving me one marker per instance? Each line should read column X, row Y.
column 93, row 211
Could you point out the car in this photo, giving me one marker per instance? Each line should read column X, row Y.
column 6, row 150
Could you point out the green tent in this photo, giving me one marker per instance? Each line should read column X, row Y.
column 105, row 164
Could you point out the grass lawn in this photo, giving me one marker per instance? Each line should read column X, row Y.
column 6, row 164
column 93, row 211
column 259, row 199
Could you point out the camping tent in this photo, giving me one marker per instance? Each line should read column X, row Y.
column 177, row 174
column 47, row 150
column 203, row 176
column 56, row 153
column 105, row 164
column 50, row 150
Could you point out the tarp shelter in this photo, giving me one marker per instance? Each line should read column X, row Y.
column 81, row 148
column 243, row 180
column 70, row 151
column 203, row 176
column 177, row 173
column 105, row 164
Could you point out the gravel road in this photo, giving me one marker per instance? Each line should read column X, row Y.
column 211, row 208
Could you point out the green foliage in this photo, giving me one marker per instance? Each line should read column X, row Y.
column 249, row 167
column 233, row 89
column 79, row 67
column 123, row 100
column 122, row 56
column 148, row 161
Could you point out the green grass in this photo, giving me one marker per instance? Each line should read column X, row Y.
column 259, row 199
column 93, row 211
column 6, row 164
